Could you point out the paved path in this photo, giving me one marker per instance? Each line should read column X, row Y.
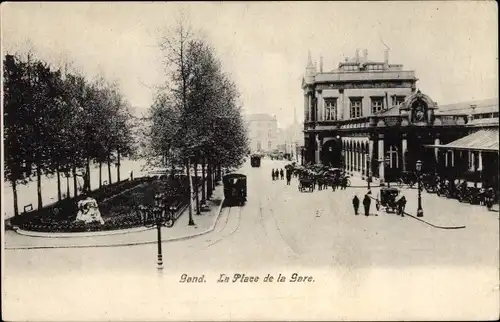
column 181, row 230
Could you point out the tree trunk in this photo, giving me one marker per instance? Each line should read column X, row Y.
column 68, row 193
column 87, row 177
column 214, row 172
column 197, row 188
column 109, row 169
column 188, row 166
column 203, row 182
column 118, row 164
column 75, row 182
column 39, row 186
column 14, row 193
column 219, row 173
column 172, row 171
column 58, row 185
column 100, row 174
column 209, row 181
column 216, row 177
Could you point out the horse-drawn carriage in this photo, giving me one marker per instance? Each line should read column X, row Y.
column 235, row 189
column 388, row 198
column 306, row 184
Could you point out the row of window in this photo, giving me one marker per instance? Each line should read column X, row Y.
column 260, row 133
column 352, row 68
column 486, row 115
column 356, row 106
column 269, row 145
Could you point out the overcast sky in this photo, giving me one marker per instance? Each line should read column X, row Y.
column 452, row 46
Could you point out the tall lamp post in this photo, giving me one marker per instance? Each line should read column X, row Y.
column 420, row 211
column 159, row 219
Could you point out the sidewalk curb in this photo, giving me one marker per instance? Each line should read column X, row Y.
column 81, row 234
column 128, row 244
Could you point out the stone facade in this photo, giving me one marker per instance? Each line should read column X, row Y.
column 262, row 129
column 369, row 118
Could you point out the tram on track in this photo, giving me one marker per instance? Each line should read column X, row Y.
column 235, row 189
column 255, row 160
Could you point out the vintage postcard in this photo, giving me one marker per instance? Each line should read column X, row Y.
column 250, row 161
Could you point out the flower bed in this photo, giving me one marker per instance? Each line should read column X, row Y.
column 118, row 212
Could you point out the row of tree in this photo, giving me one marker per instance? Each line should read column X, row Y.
column 58, row 123
column 196, row 118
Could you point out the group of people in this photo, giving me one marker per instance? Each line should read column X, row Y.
column 339, row 182
column 279, row 174
column 367, row 201
column 400, row 202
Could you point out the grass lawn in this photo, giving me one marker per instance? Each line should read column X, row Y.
column 119, row 211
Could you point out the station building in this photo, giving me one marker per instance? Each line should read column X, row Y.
column 369, row 118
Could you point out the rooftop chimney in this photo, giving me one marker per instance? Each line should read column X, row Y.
column 357, row 55
column 386, row 57
column 321, row 64
column 365, row 54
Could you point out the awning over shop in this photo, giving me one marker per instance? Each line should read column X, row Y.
column 482, row 140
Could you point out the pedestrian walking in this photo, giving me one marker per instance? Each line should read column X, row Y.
column 401, row 204
column 367, row 202
column 288, row 177
column 355, row 204
column 276, row 174
column 282, row 174
column 272, row 174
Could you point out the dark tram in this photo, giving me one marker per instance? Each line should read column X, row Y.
column 255, row 160
column 235, row 189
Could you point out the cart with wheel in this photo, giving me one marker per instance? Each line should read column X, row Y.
column 388, row 196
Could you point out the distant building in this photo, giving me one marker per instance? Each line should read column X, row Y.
column 262, row 130
column 290, row 140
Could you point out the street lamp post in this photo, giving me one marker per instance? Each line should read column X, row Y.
column 158, row 211
column 420, row 211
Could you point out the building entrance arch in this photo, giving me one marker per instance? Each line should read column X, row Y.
column 331, row 153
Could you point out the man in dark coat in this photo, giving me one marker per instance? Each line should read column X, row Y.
column 282, row 174
column 401, row 203
column 288, row 176
column 367, row 202
column 355, row 204
column 343, row 183
column 272, row 174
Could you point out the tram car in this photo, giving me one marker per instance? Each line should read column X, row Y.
column 255, row 161
column 235, row 189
